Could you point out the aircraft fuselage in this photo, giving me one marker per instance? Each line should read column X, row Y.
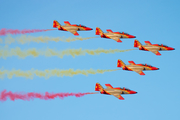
column 110, row 35
column 73, row 27
column 114, row 91
column 137, row 67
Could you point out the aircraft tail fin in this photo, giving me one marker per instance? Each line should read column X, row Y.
column 56, row 24
column 120, row 63
column 98, row 87
column 137, row 43
column 98, row 31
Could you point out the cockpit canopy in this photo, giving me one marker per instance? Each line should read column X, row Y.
column 147, row 65
column 162, row 45
column 125, row 33
column 125, row 88
column 81, row 25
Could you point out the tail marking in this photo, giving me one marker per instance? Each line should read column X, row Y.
column 137, row 43
column 120, row 63
column 99, row 31
column 56, row 24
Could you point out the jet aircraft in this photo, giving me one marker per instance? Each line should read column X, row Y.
column 113, row 91
column 138, row 68
column 154, row 48
column 113, row 35
column 71, row 28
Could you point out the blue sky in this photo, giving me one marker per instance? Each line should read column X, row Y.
column 158, row 91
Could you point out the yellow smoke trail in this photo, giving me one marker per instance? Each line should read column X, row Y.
column 30, row 74
column 27, row 39
column 6, row 52
column 1, row 41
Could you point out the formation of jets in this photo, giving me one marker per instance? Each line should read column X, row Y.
column 117, row 36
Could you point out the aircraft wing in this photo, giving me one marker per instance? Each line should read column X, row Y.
column 74, row 32
column 131, row 62
column 67, row 23
column 108, row 86
column 117, row 95
column 148, row 42
column 109, row 31
column 155, row 51
column 139, row 71
column 116, row 39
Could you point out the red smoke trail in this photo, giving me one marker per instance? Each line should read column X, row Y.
column 5, row 31
column 32, row 95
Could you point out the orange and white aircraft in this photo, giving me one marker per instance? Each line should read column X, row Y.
column 113, row 91
column 113, row 35
column 138, row 68
column 71, row 28
column 154, row 48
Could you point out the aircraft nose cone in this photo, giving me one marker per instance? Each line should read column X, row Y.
column 89, row 28
column 155, row 68
column 131, row 36
column 170, row 48
column 133, row 92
